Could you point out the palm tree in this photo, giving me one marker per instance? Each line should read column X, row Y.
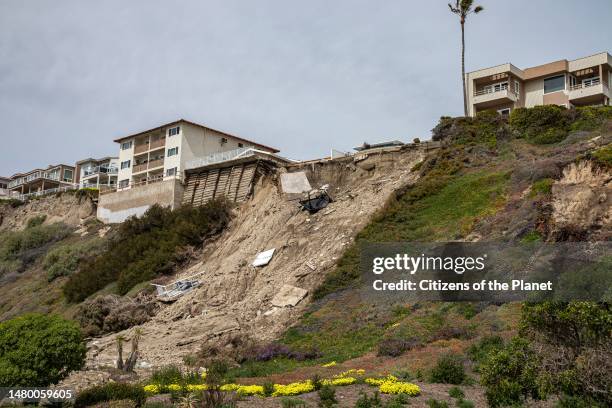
column 463, row 8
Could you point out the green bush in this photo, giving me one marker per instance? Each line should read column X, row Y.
column 111, row 391
column 365, row 401
column 461, row 403
column 541, row 124
column 18, row 249
column 603, row 156
column 291, row 402
column 36, row 221
column 65, row 259
column 591, row 117
column 510, row 374
column 482, row 349
column 147, row 247
column 448, row 370
column 38, row 350
column 327, row 396
column 433, row 403
column 456, row 392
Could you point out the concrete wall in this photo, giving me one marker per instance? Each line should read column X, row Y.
column 118, row 206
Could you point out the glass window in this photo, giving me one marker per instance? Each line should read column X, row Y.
column 67, row 175
column 174, row 131
column 554, row 84
column 126, row 145
column 125, row 164
column 124, row 183
column 171, row 172
column 173, row 151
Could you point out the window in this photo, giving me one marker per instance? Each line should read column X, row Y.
column 495, row 87
column 174, row 131
column 124, row 183
column 173, row 151
column 125, row 164
column 240, row 145
column 517, row 87
column 171, row 172
column 504, row 112
column 223, row 140
column 554, row 84
column 126, row 145
column 67, row 175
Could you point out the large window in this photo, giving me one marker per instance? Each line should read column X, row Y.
column 173, row 151
column 554, row 84
column 126, row 145
column 171, row 172
column 68, row 175
column 125, row 164
column 124, row 183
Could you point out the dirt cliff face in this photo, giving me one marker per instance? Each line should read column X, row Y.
column 236, row 299
column 67, row 208
column 582, row 201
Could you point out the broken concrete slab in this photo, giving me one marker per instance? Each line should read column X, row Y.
column 295, row 183
column 289, row 296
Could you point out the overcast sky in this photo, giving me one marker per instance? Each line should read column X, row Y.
column 303, row 76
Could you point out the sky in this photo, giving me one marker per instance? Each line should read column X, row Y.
column 302, row 76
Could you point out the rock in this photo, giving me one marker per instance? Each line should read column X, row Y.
column 289, row 296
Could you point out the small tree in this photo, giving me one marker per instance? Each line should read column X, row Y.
column 38, row 350
column 130, row 362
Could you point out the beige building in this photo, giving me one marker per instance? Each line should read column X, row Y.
column 161, row 153
column 580, row 82
column 41, row 181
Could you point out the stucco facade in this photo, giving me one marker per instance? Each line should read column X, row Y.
column 580, row 82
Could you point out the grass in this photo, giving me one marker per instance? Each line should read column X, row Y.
column 603, row 156
column 542, row 187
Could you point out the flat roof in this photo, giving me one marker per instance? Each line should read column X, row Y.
column 176, row 122
column 96, row 160
column 48, row 168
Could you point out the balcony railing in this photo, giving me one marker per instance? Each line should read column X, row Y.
column 100, row 169
column 157, row 144
column 39, row 193
column 149, row 180
column 141, row 148
column 587, row 83
column 220, row 157
column 156, row 163
column 35, row 176
column 139, row 167
column 491, row 90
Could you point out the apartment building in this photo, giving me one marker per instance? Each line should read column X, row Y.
column 161, row 153
column 580, row 82
column 4, row 191
column 41, row 181
column 97, row 173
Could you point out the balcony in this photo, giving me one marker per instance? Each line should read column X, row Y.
column 100, row 169
column 156, row 163
column 156, row 144
column 147, row 145
column 139, row 167
column 493, row 96
column 140, row 148
column 588, row 91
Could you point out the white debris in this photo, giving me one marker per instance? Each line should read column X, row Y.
column 263, row 258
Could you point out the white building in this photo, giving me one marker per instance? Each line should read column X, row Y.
column 97, row 173
column 161, row 153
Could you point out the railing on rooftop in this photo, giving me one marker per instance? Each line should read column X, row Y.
column 491, row 90
column 221, row 157
column 39, row 193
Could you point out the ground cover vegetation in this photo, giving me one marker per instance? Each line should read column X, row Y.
column 147, row 247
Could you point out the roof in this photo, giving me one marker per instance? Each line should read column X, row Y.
column 52, row 166
column 176, row 122
column 95, row 160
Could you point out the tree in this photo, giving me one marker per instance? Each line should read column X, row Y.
column 38, row 350
column 463, row 8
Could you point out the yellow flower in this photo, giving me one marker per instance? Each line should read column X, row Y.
column 340, row 381
column 151, row 389
column 229, row 387
column 250, row 390
column 330, row 364
column 351, row 372
column 395, row 324
column 379, row 381
column 174, row 387
column 293, row 388
column 398, row 387
column 195, row 387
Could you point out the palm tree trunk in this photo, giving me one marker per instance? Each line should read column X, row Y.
column 465, row 103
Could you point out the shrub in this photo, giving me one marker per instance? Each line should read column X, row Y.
column 456, row 392
column 591, row 117
column 268, row 389
column 36, row 221
column 18, row 249
column 480, row 351
column 147, row 247
column 541, row 124
column 396, row 347
column 327, row 396
column 603, row 156
column 461, row 403
column 111, row 391
column 543, row 186
column 448, row 370
column 432, row 403
column 38, row 350
column 510, row 374
column 287, row 402
column 64, row 260
column 365, row 401
column 167, row 375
